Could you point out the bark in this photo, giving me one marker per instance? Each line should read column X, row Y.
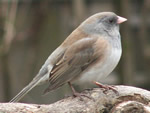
column 127, row 100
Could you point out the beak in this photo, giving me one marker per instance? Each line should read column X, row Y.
column 121, row 19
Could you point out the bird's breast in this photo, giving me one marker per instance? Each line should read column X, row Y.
column 102, row 68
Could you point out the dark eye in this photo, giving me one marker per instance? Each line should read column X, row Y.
column 111, row 20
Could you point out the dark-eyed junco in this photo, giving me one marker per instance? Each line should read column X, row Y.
column 93, row 48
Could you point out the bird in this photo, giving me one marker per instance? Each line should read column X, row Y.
column 92, row 49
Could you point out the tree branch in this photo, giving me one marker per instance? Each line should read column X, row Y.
column 128, row 100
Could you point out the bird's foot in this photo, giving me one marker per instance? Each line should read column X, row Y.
column 106, row 87
column 81, row 95
column 76, row 94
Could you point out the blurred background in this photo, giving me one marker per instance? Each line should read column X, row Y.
column 31, row 29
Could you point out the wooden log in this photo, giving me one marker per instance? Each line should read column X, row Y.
column 98, row 100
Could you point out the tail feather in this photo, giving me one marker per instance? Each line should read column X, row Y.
column 25, row 90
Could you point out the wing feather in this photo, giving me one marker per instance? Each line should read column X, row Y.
column 80, row 55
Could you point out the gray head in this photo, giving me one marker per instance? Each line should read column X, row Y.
column 105, row 23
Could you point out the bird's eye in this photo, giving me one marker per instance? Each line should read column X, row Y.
column 111, row 21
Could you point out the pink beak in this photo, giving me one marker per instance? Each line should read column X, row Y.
column 121, row 19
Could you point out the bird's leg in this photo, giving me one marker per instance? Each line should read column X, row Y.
column 76, row 94
column 73, row 90
column 106, row 87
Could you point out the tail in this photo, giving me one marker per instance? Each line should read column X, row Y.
column 25, row 90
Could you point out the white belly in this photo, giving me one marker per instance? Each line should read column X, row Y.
column 101, row 70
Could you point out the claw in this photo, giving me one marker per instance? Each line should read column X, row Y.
column 106, row 87
column 76, row 94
